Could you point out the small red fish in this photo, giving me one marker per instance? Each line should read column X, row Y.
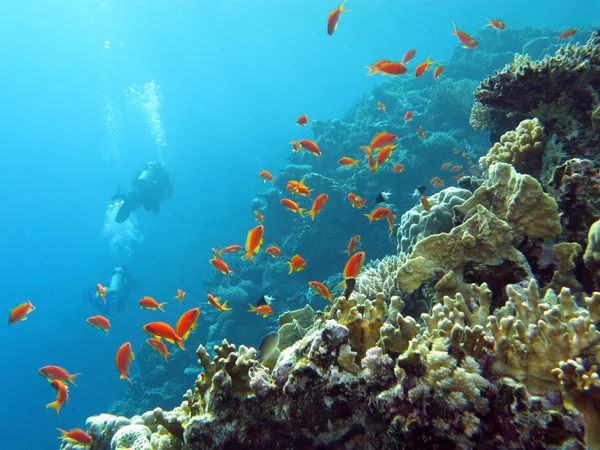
column 221, row 266
column 302, row 120
column 62, row 395
column 353, row 244
column 345, row 161
column 321, row 289
column 295, row 146
column 380, row 139
column 422, row 68
column 408, row 56
column 372, row 163
column 262, row 310
column 436, row 180
column 151, row 304
column 231, row 249
column 99, row 322
column 398, row 168
column 123, row 360
column 381, row 107
column 318, row 205
column 356, row 201
column 354, row 265
column 384, row 154
column 266, row 176
column 374, row 68
column 76, row 435
column 390, row 220
column 464, row 38
column 458, row 176
column 164, row 331
column 101, row 292
column 187, row 323
column 408, row 117
column 421, row 133
column 496, row 24
column 292, row 206
column 259, row 216
column 446, row 165
column 254, row 239
column 19, row 313
column 296, row 264
column 439, row 70
column 392, row 68
column 333, row 17
column 57, row 373
column 378, row 214
column 310, row 147
column 214, row 301
column 425, row 204
column 180, row 295
column 464, row 154
column 274, row 251
column 159, row 347
column 567, row 34
column 456, row 168
column 216, row 253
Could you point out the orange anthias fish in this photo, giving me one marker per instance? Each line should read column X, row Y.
column 302, row 120
column 99, row 322
column 321, row 289
column 436, row 180
column 421, row 133
column 408, row 117
column 212, row 300
column 180, row 295
column 123, row 359
column 567, row 34
column 57, row 373
column 381, row 107
column 408, row 56
column 390, row 220
column 354, row 265
column 159, row 347
column 151, row 304
column 298, row 187
column 259, row 217
column 216, row 253
column 262, row 310
column 164, row 331
column 310, row 147
column 19, row 313
column 422, row 68
column 345, row 161
column 266, row 176
column 230, row 249
column 378, row 214
column 384, row 154
column 458, row 176
column 292, row 205
column 356, row 201
column 455, row 151
column 496, row 24
column 353, row 244
column 333, row 17
column 76, row 435
column 446, row 165
column 62, row 395
column 295, row 146
column 425, row 203
column 187, row 323
column 374, row 68
column 391, row 68
column 297, row 264
column 439, row 70
column 456, row 168
column 380, row 139
column 398, row 168
column 464, row 38
column 318, row 205
column 254, row 239
column 101, row 292
column 274, row 251
column 221, row 266
column 372, row 163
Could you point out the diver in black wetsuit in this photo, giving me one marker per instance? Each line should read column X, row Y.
column 151, row 185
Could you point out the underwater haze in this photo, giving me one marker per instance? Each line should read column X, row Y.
column 94, row 90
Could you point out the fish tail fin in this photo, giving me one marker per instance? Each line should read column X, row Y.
column 342, row 284
column 125, row 377
column 489, row 24
column 291, row 268
column 455, row 32
column 341, row 7
column 71, row 378
column 252, row 308
column 166, row 355
column 429, row 61
column 370, row 216
column 312, row 214
column 160, row 306
column 356, row 163
column 54, row 405
column 63, row 433
column 224, row 307
column 367, row 149
column 330, row 298
column 301, row 211
column 179, row 343
column 249, row 256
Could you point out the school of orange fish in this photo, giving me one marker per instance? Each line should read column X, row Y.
column 382, row 144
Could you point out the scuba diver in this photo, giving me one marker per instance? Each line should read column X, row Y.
column 151, row 185
column 116, row 291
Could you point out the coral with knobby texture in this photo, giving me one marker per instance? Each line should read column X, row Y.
column 379, row 276
column 564, row 274
column 591, row 257
column 560, row 90
column 523, row 148
column 416, row 223
column 518, row 200
column 132, row 437
column 483, row 238
column 575, row 186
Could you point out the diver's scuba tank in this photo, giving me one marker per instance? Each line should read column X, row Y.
column 147, row 175
column 118, row 279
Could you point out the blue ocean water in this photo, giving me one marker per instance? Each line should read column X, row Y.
column 92, row 90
